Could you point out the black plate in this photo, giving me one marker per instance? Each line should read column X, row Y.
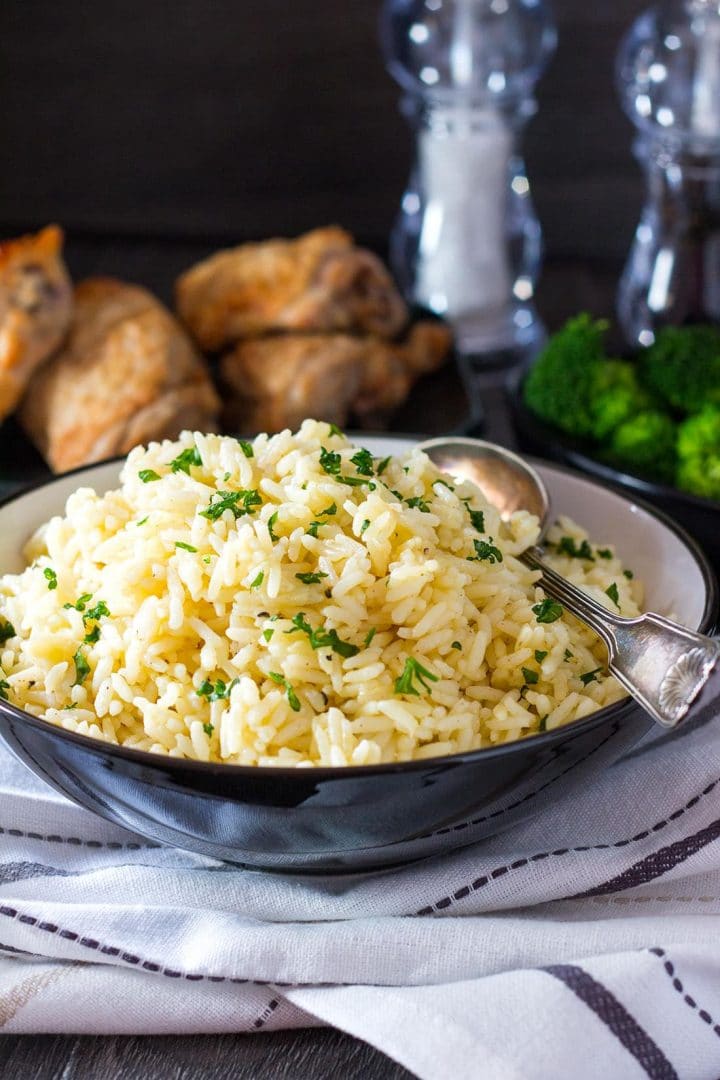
column 701, row 517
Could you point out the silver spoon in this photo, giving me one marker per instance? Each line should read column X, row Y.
column 666, row 667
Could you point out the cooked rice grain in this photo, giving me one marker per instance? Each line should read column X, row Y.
column 310, row 622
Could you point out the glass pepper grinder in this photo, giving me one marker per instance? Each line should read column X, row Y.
column 668, row 75
column 467, row 243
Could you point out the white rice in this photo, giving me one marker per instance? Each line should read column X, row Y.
column 199, row 656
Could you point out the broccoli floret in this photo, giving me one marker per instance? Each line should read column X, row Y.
column 699, row 453
column 646, row 443
column 574, row 387
column 683, row 366
column 616, row 396
column 561, row 384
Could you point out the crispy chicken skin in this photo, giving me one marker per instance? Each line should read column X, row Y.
column 128, row 374
column 318, row 283
column 391, row 368
column 35, row 308
column 275, row 382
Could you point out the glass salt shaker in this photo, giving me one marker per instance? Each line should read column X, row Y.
column 467, row 242
column 668, row 75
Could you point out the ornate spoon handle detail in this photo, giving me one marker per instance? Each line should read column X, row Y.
column 664, row 666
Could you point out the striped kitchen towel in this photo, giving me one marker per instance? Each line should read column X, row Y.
column 582, row 943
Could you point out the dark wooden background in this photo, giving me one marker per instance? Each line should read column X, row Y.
column 215, row 120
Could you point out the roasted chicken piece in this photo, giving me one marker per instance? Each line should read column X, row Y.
column 391, row 368
column 35, row 308
column 276, row 382
column 317, row 283
column 128, row 374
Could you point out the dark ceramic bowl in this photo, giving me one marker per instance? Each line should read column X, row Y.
column 353, row 819
column 700, row 517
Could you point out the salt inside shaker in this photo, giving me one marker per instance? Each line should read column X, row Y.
column 668, row 75
column 467, row 242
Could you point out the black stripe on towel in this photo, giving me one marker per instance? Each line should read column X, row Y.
column 659, row 863
column 616, row 1017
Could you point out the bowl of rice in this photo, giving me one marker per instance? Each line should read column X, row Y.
column 302, row 654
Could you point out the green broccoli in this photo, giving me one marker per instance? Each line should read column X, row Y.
column 683, row 366
column 616, row 396
column 698, row 448
column 573, row 386
column 559, row 386
column 645, row 443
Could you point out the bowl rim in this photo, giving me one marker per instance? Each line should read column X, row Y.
column 577, row 451
column 228, row 770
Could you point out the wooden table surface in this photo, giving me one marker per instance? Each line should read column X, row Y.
column 438, row 404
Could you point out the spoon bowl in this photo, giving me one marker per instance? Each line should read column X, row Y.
column 507, row 482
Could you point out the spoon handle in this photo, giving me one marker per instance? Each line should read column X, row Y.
column 663, row 665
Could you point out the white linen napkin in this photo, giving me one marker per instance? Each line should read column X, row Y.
column 584, row 942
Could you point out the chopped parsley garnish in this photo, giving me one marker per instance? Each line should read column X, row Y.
column 414, row 670
column 568, row 655
column 272, row 520
column 568, row 546
column 313, row 528
column 485, row 550
column 185, row 547
column 369, row 636
column 335, row 430
column 257, row 580
column 206, row 558
column 7, row 631
column 330, row 462
column 146, row 475
column 239, row 502
column 365, row 526
column 612, row 592
column 97, row 612
column 186, row 459
column 246, row 448
column 142, row 521
column 267, row 634
column 363, row 462
column 589, row 676
column 51, row 578
column 456, row 645
column 530, row 676
column 208, row 729
column 4, row 687
column 291, row 695
column 311, row 578
column 328, row 511
column 93, row 635
column 478, row 520
column 82, row 668
column 542, row 726
column 383, row 466
column 540, row 655
column 319, row 638
column 356, row 481
column 604, row 553
column 416, row 503
column 80, row 603
column 218, row 691
column 445, row 484
column 547, row 610
column 628, row 574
